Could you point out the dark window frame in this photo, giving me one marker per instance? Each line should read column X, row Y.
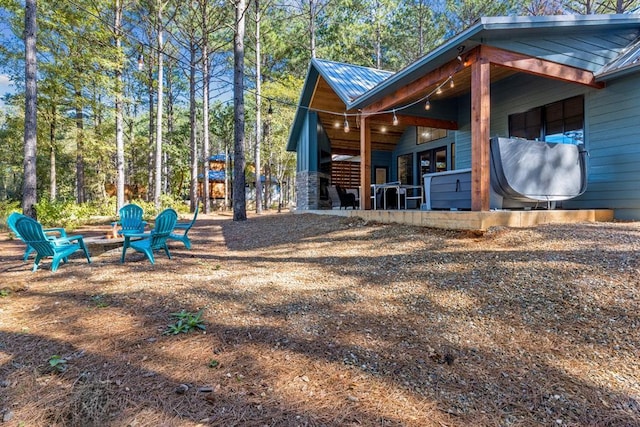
column 433, row 160
column 408, row 177
column 551, row 121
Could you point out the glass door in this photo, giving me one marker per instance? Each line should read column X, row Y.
column 434, row 160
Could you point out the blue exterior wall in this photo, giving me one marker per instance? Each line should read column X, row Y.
column 612, row 134
column 307, row 147
column 613, row 141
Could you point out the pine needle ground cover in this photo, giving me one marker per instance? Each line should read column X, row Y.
column 304, row 320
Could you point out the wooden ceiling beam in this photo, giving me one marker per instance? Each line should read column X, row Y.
column 405, row 120
column 419, row 85
column 539, row 67
column 354, row 135
column 343, row 144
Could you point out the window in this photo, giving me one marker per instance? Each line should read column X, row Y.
column 432, row 160
column 560, row 122
column 426, row 134
column 405, row 169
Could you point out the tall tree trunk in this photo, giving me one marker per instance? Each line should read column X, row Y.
column 258, row 167
column 193, row 189
column 421, row 25
column 53, row 185
column 150, row 183
column 170, row 124
column 119, row 118
column 239, row 197
column 158, row 151
column 205, row 122
column 378, row 42
column 312, row 27
column 29, row 196
column 79, row 146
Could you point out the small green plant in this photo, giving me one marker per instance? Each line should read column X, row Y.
column 99, row 301
column 4, row 293
column 186, row 323
column 57, row 364
column 213, row 363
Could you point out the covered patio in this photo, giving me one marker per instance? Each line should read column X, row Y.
column 361, row 128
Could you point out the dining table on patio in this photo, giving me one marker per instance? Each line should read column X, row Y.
column 408, row 192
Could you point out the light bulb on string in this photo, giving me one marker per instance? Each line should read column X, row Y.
column 451, row 83
column 427, row 105
column 346, row 123
column 140, row 62
column 439, row 90
column 395, row 118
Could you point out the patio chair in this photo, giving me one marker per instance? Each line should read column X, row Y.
column 11, row 222
column 130, row 219
column 60, row 248
column 154, row 240
column 183, row 228
column 346, row 199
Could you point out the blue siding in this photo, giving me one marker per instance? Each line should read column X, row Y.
column 302, row 145
column 307, row 145
column 463, row 134
column 614, row 148
column 381, row 159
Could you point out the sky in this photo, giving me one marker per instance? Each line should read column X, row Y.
column 5, row 87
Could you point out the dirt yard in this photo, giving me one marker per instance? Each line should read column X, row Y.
column 326, row 321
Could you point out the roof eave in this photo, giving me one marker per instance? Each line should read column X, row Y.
column 398, row 79
column 618, row 73
column 449, row 50
column 303, row 103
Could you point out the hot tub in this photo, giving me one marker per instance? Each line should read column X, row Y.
column 524, row 173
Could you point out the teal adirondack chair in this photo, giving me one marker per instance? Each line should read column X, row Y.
column 59, row 249
column 182, row 228
column 130, row 219
column 11, row 222
column 155, row 240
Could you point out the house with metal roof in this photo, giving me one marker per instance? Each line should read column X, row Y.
column 560, row 79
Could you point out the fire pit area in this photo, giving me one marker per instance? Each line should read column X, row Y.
column 100, row 244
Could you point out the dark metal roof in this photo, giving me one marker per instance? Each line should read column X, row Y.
column 349, row 81
column 489, row 28
column 218, row 158
column 628, row 60
column 214, row 175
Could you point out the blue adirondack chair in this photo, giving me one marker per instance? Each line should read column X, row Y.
column 51, row 233
column 59, row 248
column 155, row 240
column 182, row 228
column 130, row 219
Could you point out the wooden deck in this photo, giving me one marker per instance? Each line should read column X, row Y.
column 481, row 221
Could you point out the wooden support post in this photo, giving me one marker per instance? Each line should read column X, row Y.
column 480, row 119
column 365, row 163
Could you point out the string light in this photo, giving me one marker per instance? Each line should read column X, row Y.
column 426, row 99
column 140, row 62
